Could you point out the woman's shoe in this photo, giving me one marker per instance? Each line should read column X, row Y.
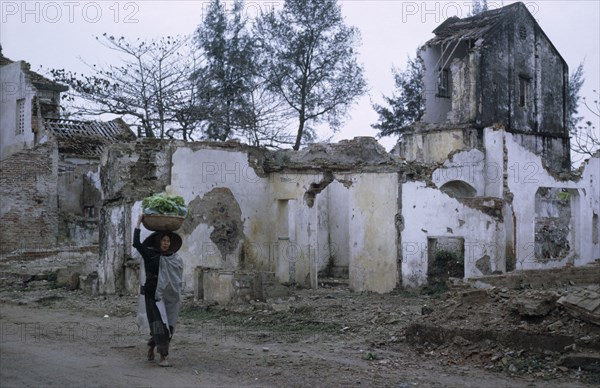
column 164, row 362
column 150, row 353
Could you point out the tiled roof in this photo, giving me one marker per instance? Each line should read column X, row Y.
column 87, row 138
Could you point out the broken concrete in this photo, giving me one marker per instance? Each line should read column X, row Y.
column 538, row 304
column 583, row 304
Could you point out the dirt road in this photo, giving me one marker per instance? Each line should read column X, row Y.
column 60, row 338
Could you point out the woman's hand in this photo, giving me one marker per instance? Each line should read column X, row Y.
column 139, row 222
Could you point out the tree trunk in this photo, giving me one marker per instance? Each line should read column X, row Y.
column 299, row 135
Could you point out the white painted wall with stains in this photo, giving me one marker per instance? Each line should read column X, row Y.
column 378, row 225
column 350, row 218
column 526, row 176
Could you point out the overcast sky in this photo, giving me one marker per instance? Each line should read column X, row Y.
column 56, row 34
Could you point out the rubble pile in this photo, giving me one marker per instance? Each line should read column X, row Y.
column 523, row 332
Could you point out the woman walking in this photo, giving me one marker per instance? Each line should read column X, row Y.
column 162, row 290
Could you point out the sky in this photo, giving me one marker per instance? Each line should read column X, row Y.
column 61, row 34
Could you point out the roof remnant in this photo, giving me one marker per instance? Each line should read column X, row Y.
column 473, row 27
column 38, row 80
column 87, row 138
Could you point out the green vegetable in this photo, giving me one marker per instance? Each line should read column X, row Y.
column 164, row 204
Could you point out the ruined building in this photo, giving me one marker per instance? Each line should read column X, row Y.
column 481, row 186
column 497, row 68
column 496, row 119
column 49, row 179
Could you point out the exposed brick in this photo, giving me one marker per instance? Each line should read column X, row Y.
column 28, row 199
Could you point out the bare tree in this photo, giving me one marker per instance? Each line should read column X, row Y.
column 269, row 116
column 151, row 87
column 585, row 139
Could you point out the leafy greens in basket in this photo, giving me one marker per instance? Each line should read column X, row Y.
column 164, row 204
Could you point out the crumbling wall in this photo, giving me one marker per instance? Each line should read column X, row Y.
column 373, row 210
column 255, row 211
column 554, row 150
column 425, row 144
column 221, row 213
column 301, row 245
column 28, row 192
column 552, row 223
column 128, row 173
column 14, row 86
column 79, row 200
column 430, row 215
column 229, row 225
column 466, row 167
column 351, row 226
column 525, row 174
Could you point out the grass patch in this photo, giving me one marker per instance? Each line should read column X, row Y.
column 274, row 323
column 435, row 288
column 197, row 313
column 406, row 292
column 283, row 323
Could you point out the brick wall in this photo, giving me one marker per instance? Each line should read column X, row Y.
column 28, row 199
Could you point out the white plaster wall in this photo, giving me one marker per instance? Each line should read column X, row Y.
column 493, row 171
column 356, row 222
column 433, row 146
column 525, row 174
column 429, row 213
column 114, row 250
column 296, row 257
column 195, row 173
column 339, row 223
column 14, row 86
column 466, row 166
column 372, row 207
column 303, row 253
column 436, row 108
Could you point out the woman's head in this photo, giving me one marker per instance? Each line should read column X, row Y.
column 164, row 242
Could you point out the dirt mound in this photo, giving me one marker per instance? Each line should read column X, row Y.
column 522, row 332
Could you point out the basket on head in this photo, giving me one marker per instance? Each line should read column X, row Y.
column 162, row 222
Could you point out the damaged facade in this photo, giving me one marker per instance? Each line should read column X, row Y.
column 49, row 180
column 497, row 69
column 257, row 214
column 481, row 186
column 495, row 123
